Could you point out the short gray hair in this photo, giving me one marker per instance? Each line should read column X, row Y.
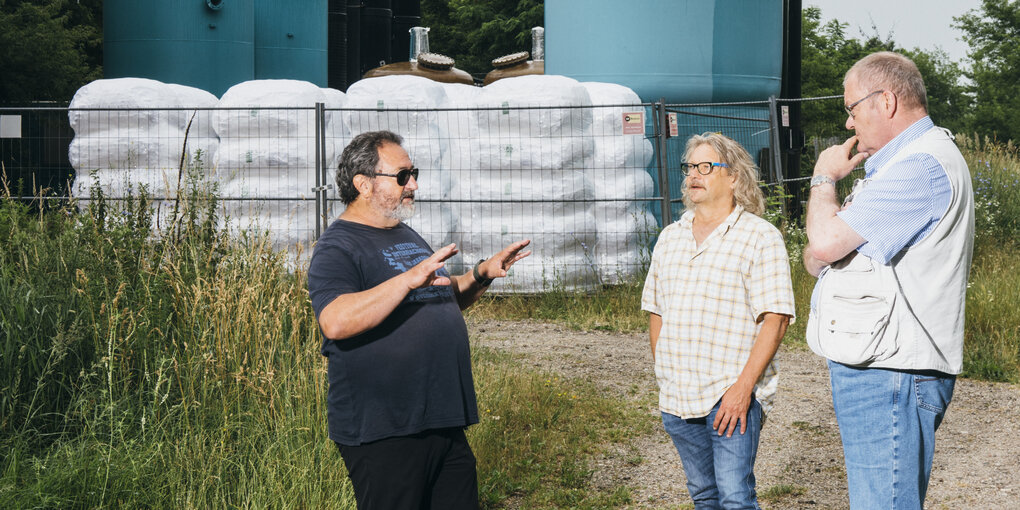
column 891, row 71
column 361, row 156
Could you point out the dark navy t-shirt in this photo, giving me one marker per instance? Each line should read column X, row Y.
column 410, row 373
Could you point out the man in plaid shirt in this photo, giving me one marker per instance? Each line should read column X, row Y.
column 720, row 298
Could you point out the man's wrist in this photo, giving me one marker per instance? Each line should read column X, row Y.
column 821, row 179
column 484, row 282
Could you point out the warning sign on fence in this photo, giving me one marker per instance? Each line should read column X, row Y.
column 634, row 123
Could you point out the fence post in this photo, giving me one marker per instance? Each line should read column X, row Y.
column 777, row 156
column 661, row 129
column 325, row 185
column 320, row 143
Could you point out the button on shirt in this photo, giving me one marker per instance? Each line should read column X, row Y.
column 711, row 299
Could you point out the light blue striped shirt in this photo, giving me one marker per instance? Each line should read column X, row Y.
column 902, row 207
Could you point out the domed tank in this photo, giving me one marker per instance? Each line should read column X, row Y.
column 290, row 40
column 514, row 64
column 433, row 66
column 517, row 64
column 207, row 44
column 680, row 50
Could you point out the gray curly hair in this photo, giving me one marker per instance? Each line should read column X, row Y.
column 739, row 163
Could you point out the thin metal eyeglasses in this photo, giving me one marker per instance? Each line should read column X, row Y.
column 402, row 176
column 850, row 108
column 704, row 168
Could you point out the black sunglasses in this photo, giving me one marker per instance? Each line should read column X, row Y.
column 402, row 176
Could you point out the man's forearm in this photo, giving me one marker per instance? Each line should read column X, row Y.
column 812, row 264
column 764, row 349
column 467, row 289
column 820, row 223
column 654, row 327
column 352, row 314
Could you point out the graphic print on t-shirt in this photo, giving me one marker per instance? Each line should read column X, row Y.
column 404, row 256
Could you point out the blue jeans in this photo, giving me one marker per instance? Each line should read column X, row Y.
column 887, row 420
column 719, row 469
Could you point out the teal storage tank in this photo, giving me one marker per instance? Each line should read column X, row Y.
column 205, row 44
column 291, row 40
column 681, row 50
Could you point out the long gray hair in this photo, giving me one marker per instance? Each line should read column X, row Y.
column 739, row 163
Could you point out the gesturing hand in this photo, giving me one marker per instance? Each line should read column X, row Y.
column 498, row 264
column 836, row 161
column 424, row 274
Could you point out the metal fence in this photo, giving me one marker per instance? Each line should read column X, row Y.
column 589, row 185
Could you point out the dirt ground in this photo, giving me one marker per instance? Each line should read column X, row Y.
column 977, row 452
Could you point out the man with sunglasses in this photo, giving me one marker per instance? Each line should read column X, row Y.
column 400, row 386
column 719, row 298
column 892, row 263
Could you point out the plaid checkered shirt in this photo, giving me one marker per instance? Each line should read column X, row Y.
column 711, row 299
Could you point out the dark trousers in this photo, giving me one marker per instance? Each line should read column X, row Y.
column 434, row 469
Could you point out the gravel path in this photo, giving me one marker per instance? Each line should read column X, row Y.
column 977, row 458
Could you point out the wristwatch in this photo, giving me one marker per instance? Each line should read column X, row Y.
column 484, row 282
column 822, row 179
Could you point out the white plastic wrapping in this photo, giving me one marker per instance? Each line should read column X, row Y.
column 618, row 174
column 562, row 174
column 390, row 102
column 196, row 123
column 269, row 108
column 557, row 103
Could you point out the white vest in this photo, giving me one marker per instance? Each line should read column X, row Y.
column 909, row 314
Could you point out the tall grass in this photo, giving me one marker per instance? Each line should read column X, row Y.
column 179, row 367
column 155, row 369
column 992, row 342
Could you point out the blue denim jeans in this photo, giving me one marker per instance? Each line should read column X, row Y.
column 719, row 469
column 887, row 420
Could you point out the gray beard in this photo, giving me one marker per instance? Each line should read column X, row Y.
column 402, row 212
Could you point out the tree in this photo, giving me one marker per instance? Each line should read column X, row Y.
column 48, row 49
column 993, row 33
column 473, row 32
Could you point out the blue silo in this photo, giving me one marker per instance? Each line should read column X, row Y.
column 209, row 45
column 682, row 50
column 291, row 40
column 215, row 44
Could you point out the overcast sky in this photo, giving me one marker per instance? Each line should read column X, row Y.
column 913, row 23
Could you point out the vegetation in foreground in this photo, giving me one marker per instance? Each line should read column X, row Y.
column 180, row 368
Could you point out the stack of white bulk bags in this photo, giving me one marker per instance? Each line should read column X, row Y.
column 620, row 179
column 196, row 123
column 460, row 130
column 407, row 105
column 523, row 176
column 268, row 151
column 124, row 142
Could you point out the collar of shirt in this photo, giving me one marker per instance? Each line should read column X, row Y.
column 687, row 223
column 880, row 158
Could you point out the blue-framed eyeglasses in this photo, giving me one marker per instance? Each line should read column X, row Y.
column 402, row 176
column 704, row 168
column 850, row 108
